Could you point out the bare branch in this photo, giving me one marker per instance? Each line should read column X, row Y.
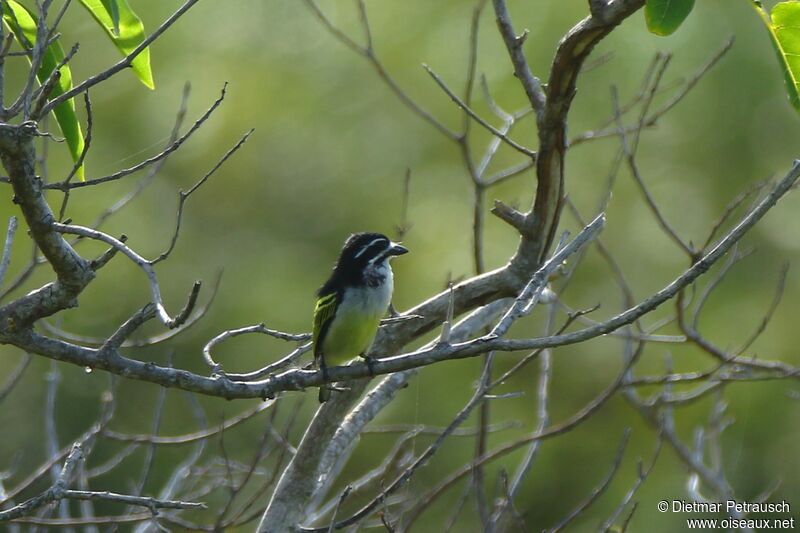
column 258, row 328
column 369, row 53
column 773, row 306
column 74, row 273
column 39, row 96
column 123, row 63
column 652, row 119
column 382, row 394
column 530, row 83
column 66, row 185
column 84, row 340
column 13, row 378
column 142, row 263
column 530, row 295
column 592, row 407
column 271, row 368
column 299, row 379
column 643, row 473
column 468, row 110
column 6, row 260
column 509, row 214
column 408, row 472
column 87, row 142
column 630, row 156
column 183, row 196
column 190, row 437
column 139, row 501
column 506, row 503
column 54, row 493
column 572, row 51
column 404, row 226
column 37, row 52
column 731, row 207
column 115, row 341
column 599, row 490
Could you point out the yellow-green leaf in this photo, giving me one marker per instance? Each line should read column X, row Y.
column 115, row 16
column 22, row 24
column 783, row 24
column 126, row 31
column 663, row 17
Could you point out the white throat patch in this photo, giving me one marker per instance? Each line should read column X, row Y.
column 372, row 299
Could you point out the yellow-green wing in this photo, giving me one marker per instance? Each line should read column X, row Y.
column 323, row 313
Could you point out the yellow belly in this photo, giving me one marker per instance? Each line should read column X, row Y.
column 350, row 335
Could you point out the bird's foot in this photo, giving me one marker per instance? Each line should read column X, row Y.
column 370, row 364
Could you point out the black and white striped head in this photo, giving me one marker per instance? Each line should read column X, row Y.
column 362, row 261
column 364, row 250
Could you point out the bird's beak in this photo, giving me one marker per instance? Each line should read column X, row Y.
column 397, row 249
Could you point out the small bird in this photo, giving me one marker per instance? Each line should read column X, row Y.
column 353, row 301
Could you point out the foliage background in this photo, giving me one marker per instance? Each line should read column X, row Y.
column 328, row 157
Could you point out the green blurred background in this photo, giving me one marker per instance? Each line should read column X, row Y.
column 328, row 156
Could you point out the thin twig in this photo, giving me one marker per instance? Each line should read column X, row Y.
column 371, row 56
column 599, row 489
column 6, row 260
column 530, row 83
column 634, row 168
column 39, row 96
column 460, row 103
column 154, row 170
column 54, row 493
column 139, row 501
column 773, row 306
column 123, row 63
column 258, row 328
column 14, row 377
column 643, row 473
column 64, row 186
column 142, row 263
column 188, row 438
column 97, row 342
column 730, row 208
column 87, row 142
column 183, row 196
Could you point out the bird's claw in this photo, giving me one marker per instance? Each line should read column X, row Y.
column 370, row 364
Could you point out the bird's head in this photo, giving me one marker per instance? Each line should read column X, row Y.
column 364, row 250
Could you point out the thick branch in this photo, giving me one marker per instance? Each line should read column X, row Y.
column 396, row 333
column 74, row 273
column 572, row 51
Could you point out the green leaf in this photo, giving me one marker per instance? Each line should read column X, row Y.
column 663, row 17
column 22, row 24
column 126, row 31
column 784, row 29
column 115, row 16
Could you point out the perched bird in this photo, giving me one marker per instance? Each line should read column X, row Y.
column 352, row 302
